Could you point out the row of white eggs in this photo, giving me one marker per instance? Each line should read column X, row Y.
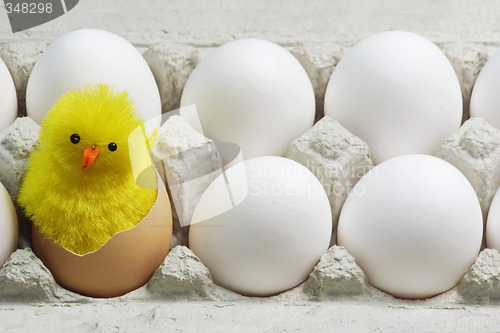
column 254, row 86
column 396, row 90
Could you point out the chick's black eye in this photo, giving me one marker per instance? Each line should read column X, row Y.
column 112, row 146
column 74, row 138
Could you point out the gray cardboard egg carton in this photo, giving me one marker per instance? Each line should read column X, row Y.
column 333, row 154
column 336, row 281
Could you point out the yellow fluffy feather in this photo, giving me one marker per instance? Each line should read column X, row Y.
column 79, row 190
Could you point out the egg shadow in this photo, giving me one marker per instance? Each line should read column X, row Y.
column 24, row 224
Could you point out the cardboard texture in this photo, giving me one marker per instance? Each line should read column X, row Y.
column 126, row 262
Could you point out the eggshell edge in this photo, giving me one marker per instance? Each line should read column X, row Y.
column 117, row 267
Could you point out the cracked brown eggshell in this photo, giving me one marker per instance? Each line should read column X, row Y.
column 126, row 262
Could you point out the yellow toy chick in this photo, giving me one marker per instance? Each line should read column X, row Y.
column 80, row 189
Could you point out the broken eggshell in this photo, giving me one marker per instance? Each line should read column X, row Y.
column 126, row 262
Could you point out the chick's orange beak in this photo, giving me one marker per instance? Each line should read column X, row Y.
column 90, row 154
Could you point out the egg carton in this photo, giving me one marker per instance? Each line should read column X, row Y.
column 473, row 149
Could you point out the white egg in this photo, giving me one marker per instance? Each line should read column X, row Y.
column 8, row 97
column 485, row 99
column 271, row 241
column 398, row 92
column 90, row 56
column 9, row 230
column 413, row 223
column 253, row 93
column 493, row 223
